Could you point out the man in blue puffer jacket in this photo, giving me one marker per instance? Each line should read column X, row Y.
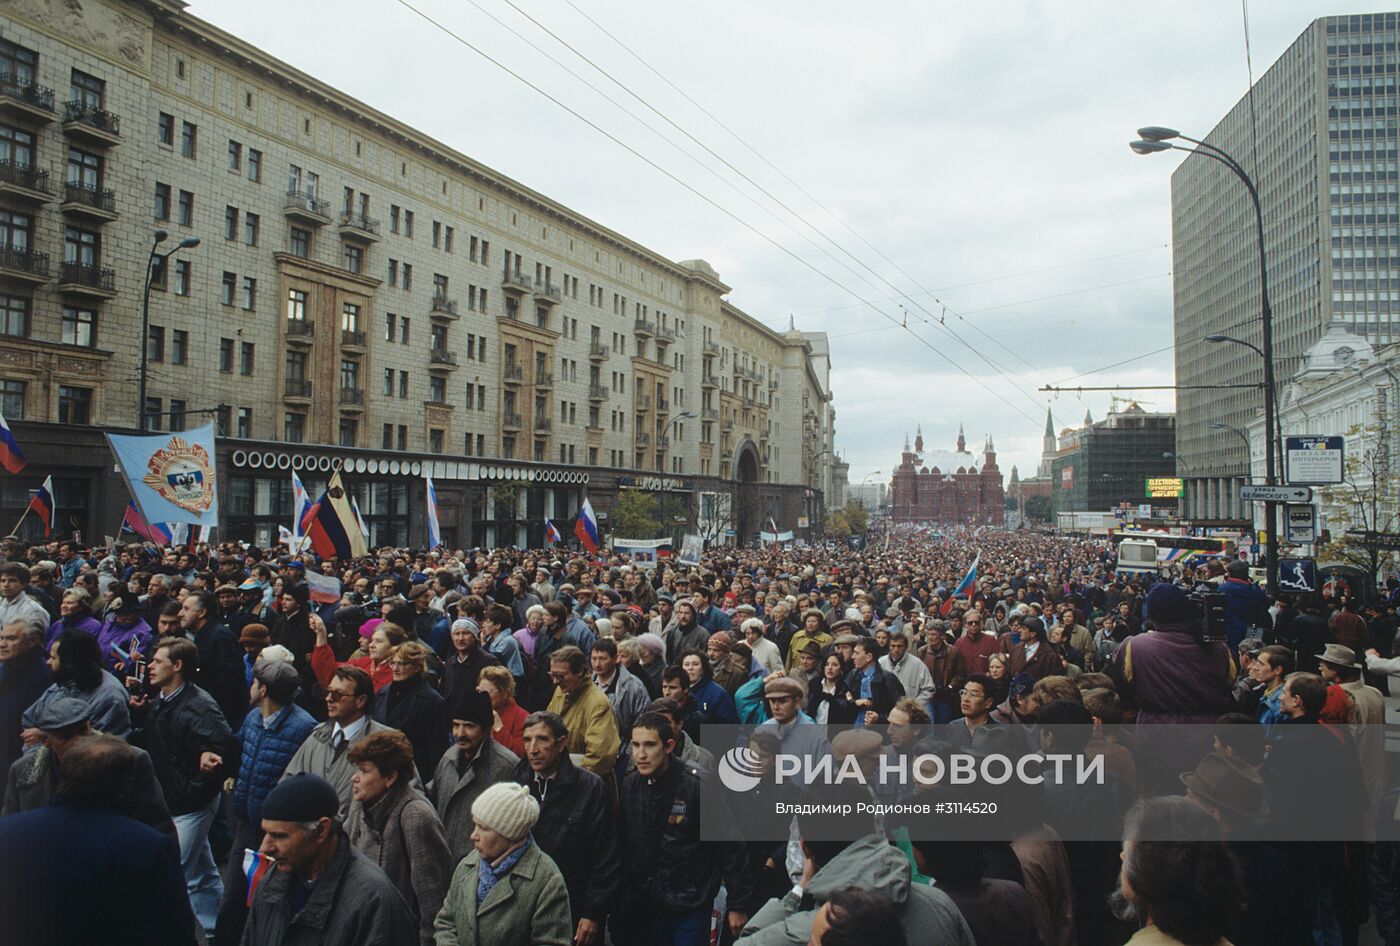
column 271, row 733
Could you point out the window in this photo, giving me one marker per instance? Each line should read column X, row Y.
column 16, row 147
column 250, row 293
column 159, row 269
column 155, row 343
column 407, row 276
column 18, row 63
column 245, row 359
column 74, row 405
column 227, row 287
column 355, row 258
column 348, row 204
column 223, row 418
column 439, row 337
column 183, row 277
column 152, row 413
column 349, row 374
column 230, row 223
column 349, row 317
column 403, row 330
column 437, row 234
column 391, row 327
column 12, row 399
column 393, row 272
column 403, row 436
column 471, row 249
column 349, row 432
column 255, row 166
column 439, row 286
column 162, row 201
column 435, row 441
column 387, row 442
column 301, row 243
column 447, row 240
column 296, row 366
column 179, row 347
column 235, row 156
column 186, row 209
column 226, row 355
column 245, row 423
column 408, row 224
column 403, row 384
column 189, row 134
column 393, row 218
column 166, row 133
column 177, row 413
column 388, row 382
column 14, row 315
column 437, row 390
column 296, row 305
column 250, row 229
column 84, row 169
column 294, row 428
column 86, row 91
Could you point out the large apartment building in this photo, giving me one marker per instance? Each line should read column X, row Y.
column 362, row 297
column 1320, row 140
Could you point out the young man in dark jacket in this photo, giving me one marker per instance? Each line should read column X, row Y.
column 670, row 876
column 874, row 690
column 192, row 750
column 219, row 669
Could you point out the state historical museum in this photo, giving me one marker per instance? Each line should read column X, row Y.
column 948, row 487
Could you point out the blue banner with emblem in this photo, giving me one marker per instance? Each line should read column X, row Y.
column 171, row 476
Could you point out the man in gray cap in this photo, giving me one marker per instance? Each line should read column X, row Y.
column 33, row 778
column 320, row 889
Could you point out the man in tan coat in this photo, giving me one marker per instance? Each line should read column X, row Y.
column 1339, row 665
column 586, row 711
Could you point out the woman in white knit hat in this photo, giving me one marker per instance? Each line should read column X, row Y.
column 506, row 892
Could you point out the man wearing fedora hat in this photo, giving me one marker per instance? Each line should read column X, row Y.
column 1340, row 667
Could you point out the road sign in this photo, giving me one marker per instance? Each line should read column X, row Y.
column 1315, row 461
column 1300, row 524
column 1385, row 541
column 802, row 522
column 1297, row 574
column 1275, row 494
column 1144, row 511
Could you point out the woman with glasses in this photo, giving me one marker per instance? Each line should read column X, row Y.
column 410, row 705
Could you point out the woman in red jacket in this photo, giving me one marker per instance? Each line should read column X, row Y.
column 381, row 648
column 509, row 726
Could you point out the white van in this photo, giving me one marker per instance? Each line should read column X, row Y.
column 1137, row 557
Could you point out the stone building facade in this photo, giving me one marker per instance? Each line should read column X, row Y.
column 948, row 487
column 362, row 296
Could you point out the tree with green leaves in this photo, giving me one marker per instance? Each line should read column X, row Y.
column 1038, row 508
column 634, row 515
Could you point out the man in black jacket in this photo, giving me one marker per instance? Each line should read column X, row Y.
column 576, row 824
column 218, row 670
column 192, row 750
column 671, row 877
column 874, row 690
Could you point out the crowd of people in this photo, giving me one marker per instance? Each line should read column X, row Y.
column 506, row 746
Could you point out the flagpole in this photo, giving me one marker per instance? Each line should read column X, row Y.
column 20, row 523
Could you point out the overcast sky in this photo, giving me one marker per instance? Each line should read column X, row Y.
column 979, row 149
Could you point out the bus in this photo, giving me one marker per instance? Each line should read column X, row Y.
column 1185, row 550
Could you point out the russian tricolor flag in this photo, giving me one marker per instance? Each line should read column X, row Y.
column 963, row 586
column 256, row 867
column 42, row 504
column 11, row 456
column 551, row 533
column 434, row 530
column 587, row 528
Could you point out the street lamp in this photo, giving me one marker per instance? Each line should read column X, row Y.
column 157, row 238
column 1243, row 436
column 1154, row 139
column 811, row 499
column 666, row 491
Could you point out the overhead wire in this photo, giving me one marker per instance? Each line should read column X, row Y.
column 699, row 194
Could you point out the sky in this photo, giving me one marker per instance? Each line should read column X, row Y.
column 959, row 169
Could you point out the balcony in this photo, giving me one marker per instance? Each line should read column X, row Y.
column 772, row 382
column 663, row 406
column 440, row 359
column 644, row 328
column 22, row 98
column 513, row 374
column 727, row 426
column 709, row 413
column 96, row 125
column 597, row 352
column 352, row 397
column 709, row 381
column 597, row 392
column 349, row 338
column 544, row 379
column 300, row 332
column 665, row 334
column 94, row 203
column 444, row 308
column 643, row 439
column 306, row 208
column 711, row 350
column 517, row 282
column 510, row 421
column 541, row 425
column 296, row 389
column 25, row 182
column 643, row 402
column 83, row 279
column 358, row 227
column 24, row 264
column 548, row 293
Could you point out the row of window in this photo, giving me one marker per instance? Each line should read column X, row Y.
column 74, row 403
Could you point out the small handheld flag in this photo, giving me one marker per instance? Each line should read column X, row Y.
column 551, row 533
column 256, row 867
column 434, row 530
column 963, row 586
column 586, row 528
column 11, row 456
column 42, row 504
